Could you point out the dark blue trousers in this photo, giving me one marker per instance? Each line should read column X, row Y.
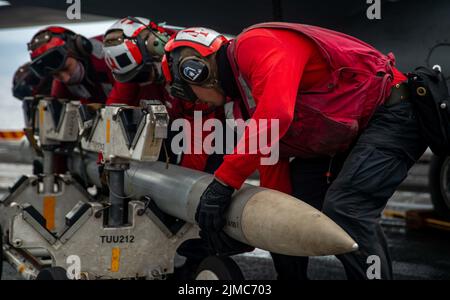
column 362, row 182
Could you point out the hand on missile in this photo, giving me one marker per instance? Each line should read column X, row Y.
column 210, row 217
column 213, row 204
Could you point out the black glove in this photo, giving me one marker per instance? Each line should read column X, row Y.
column 210, row 217
column 213, row 204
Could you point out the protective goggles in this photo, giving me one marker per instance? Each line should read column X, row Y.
column 51, row 62
column 23, row 89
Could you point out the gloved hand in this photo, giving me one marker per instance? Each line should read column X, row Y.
column 213, row 203
column 211, row 220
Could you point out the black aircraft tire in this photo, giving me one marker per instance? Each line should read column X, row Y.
column 53, row 273
column 439, row 183
column 218, row 268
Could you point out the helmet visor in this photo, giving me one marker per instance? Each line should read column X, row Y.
column 50, row 62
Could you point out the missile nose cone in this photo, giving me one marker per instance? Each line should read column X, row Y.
column 282, row 224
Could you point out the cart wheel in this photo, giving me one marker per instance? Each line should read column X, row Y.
column 439, row 183
column 218, row 268
column 53, row 273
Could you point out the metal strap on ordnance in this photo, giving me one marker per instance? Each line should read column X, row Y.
column 29, row 133
column 29, row 105
column 134, row 133
column 159, row 114
column 92, row 127
column 88, row 115
column 58, row 121
column 122, row 134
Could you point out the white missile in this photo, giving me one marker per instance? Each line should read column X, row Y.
column 259, row 217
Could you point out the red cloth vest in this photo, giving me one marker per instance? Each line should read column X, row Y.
column 329, row 117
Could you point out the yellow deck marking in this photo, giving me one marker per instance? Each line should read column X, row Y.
column 21, row 269
column 115, row 259
column 108, row 130
column 49, row 212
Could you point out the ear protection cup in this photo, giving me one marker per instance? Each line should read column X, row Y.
column 178, row 87
column 82, row 45
column 154, row 40
column 195, row 70
column 146, row 58
column 154, row 45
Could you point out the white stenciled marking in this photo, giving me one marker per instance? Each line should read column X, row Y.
column 203, row 36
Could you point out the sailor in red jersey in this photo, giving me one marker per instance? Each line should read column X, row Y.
column 134, row 48
column 27, row 84
column 342, row 114
column 78, row 69
column 77, row 65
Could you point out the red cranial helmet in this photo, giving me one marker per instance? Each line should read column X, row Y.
column 189, row 59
